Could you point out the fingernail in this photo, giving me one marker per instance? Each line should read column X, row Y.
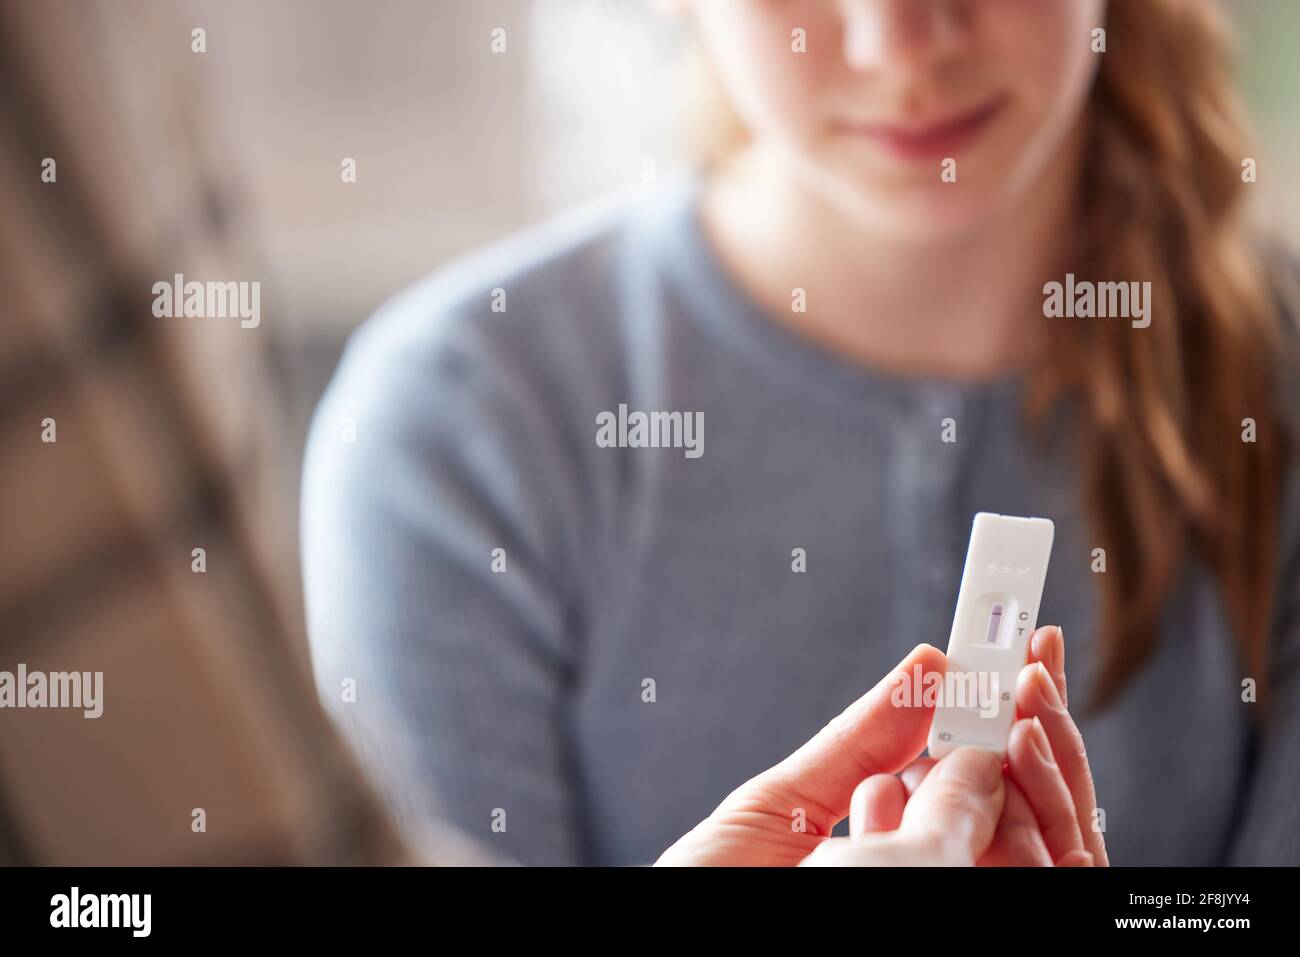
column 1040, row 639
column 1046, row 687
column 1036, row 643
column 1038, row 737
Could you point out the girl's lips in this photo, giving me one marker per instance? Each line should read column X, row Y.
column 931, row 141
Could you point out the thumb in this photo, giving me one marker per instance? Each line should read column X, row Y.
column 879, row 733
column 955, row 810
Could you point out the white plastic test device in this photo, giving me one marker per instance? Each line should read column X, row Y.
column 997, row 609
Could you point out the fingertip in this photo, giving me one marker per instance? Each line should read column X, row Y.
column 1028, row 741
column 1037, row 691
column 981, row 770
column 1048, row 688
column 959, row 803
column 928, row 657
column 1048, row 646
column 1038, row 643
column 1026, row 693
column 1018, row 738
column 912, row 775
column 877, row 805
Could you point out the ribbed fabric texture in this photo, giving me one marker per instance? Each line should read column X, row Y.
column 517, row 704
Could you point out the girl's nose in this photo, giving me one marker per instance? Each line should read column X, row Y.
column 905, row 35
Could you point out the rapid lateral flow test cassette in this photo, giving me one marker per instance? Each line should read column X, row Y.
column 997, row 610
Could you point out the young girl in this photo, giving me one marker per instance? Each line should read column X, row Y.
column 575, row 651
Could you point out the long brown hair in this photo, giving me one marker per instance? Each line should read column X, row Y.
column 1163, row 410
column 1165, row 407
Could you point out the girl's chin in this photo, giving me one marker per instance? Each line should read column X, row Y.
column 926, row 214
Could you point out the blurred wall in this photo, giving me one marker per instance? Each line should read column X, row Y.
column 454, row 144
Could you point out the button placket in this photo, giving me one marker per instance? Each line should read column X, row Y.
column 943, row 462
column 923, row 479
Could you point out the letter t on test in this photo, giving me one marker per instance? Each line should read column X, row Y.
column 997, row 611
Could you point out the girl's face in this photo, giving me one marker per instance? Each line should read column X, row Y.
column 918, row 118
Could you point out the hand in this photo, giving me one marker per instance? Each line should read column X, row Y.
column 1041, row 695
column 949, row 820
column 1050, row 802
column 784, row 814
column 1038, row 811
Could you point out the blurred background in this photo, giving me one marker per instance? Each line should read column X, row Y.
column 211, row 139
